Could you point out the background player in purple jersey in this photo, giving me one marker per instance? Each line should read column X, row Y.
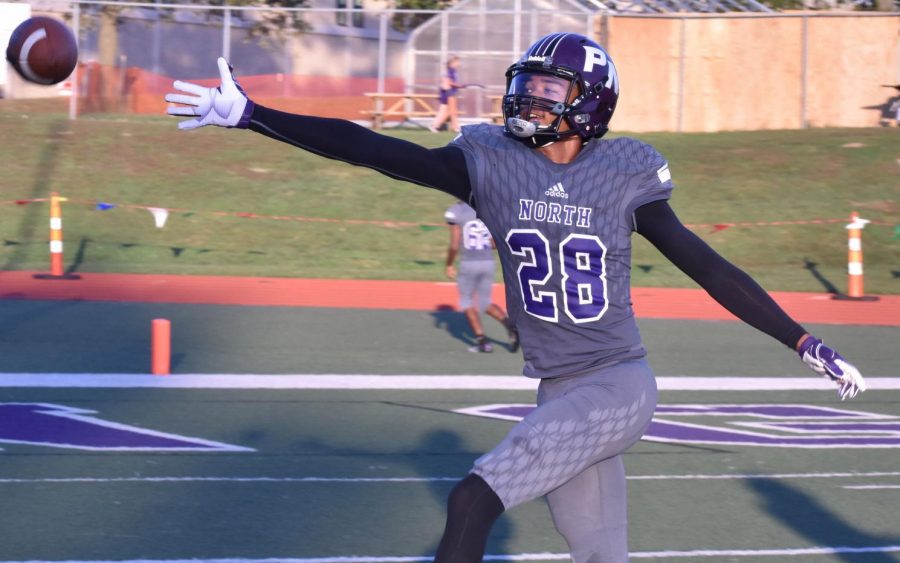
column 472, row 243
column 562, row 205
column 448, row 97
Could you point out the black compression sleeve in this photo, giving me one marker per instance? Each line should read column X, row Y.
column 443, row 168
column 726, row 283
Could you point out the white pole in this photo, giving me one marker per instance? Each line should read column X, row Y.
column 73, row 99
column 445, row 41
column 382, row 58
column 226, row 35
column 517, row 31
column 156, row 47
column 382, row 50
column 410, row 70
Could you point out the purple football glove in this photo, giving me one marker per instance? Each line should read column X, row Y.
column 828, row 363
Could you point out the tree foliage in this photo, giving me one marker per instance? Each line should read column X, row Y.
column 268, row 23
column 406, row 21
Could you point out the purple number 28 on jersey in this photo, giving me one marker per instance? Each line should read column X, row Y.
column 582, row 261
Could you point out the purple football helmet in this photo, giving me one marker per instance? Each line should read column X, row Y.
column 566, row 75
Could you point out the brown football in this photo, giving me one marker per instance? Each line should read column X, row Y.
column 42, row 50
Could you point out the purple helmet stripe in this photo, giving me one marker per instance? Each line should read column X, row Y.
column 547, row 43
column 557, row 43
column 533, row 51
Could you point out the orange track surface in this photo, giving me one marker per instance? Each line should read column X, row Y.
column 405, row 295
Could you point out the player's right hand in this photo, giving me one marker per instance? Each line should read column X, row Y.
column 225, row 106
column 828, row 363
column 450, row 271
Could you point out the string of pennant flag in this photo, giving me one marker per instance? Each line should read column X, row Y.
column 161, row 215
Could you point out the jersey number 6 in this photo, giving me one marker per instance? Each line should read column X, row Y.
column 582, row 263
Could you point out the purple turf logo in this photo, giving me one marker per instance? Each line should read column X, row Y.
column 780, row 426
column 59, row 426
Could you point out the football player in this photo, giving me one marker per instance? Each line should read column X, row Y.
column 562, row 205
column 471, row 241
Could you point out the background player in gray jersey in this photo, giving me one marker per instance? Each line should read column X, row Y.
column 565, row 204
column 472, row 243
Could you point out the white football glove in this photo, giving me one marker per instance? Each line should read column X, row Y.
column 225, row 106
column 828, row 363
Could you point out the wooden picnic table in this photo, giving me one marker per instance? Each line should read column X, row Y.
column 417, row 105
column 400, row 105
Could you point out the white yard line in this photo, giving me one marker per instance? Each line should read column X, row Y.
column 402, row 382
column 769, row 552
column 871, row 487
column 313, row 479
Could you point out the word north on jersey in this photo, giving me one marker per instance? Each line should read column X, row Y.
column 552, row 212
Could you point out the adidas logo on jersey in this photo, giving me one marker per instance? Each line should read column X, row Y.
column 557, row 190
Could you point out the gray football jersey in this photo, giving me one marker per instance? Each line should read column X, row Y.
column 563, row 234
column 476, row 243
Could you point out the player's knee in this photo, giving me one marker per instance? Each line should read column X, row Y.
column 474, row 494
column 598, row 546
column 461, row 497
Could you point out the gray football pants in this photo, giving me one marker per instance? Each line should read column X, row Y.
column 475, row 281
column 569, row 450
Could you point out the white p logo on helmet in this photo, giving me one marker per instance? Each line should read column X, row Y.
column 592, row 56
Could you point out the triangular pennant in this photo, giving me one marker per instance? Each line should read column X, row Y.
column 159, row 216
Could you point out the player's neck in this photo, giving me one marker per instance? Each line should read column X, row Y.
column 563, row 151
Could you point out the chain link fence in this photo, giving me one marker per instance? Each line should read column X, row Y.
column 680, row 72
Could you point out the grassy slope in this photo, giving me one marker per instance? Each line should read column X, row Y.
column 724, row 177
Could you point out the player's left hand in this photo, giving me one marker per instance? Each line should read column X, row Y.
column 225, row 106
column 828, row 363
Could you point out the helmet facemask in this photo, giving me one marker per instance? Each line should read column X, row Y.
column 532, row 97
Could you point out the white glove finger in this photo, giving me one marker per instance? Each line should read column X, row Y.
column 189, row 124
column 183, row 99
column 848, row 390
column 852, row 374
column 190, row 88
column 190, row 112
column 225, row 75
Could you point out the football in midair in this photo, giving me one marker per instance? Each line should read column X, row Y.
column 42, row 50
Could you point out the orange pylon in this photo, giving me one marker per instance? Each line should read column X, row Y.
column 855, row 282
column 56, row 241
column 160, row 346
column 56, row 235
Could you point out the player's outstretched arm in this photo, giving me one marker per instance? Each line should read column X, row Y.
column 442, row 168
column 732, row 288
